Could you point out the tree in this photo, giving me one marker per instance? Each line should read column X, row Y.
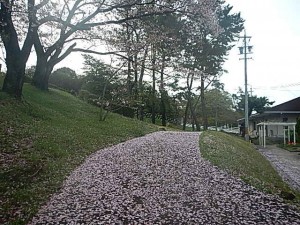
column 85, row 20
column 108, row 91
column 220, row 108
column 257, row 104
column 66, row 79
column 204, row 51
column 147, row 53
column 17, row 56
column 100, row 79
column 171, row 26
column 215, row 51
column 23, row 23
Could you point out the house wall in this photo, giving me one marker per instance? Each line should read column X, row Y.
column 275, row 131
column 272, row 130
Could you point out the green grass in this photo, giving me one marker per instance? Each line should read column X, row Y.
column 43, row 138
column 290, row 147
column 241, row 159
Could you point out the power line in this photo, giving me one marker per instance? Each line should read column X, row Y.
column 278, row 87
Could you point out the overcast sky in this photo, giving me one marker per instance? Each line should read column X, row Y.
column 275, row 29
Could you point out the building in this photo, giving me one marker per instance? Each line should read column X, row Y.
column 277, row 122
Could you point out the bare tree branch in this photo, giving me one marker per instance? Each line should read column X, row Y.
column 64, row 55
column 99, row 53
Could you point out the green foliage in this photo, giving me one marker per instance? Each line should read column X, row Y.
column 100, row 79
column 88, row 97
column 43, row 138
column 210, row 51
column 123, row 110
column 171, row 105
column 220, row 108
column 258, row 104
column 241, row 159
column 66, row 79
column 29, row 72
column 84, row 95
column 290, row 147
column 102, row 86
column 298, row 128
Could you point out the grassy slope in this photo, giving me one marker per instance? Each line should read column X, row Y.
column 43, row 139
column 241, row 159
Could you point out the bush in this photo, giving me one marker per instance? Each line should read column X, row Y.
column 88, row 97
column 123, row 110
column 298, row 129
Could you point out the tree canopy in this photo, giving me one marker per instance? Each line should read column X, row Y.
column 255, row 103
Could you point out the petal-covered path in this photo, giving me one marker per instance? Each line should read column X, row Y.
column 286, row 163
column 159, row 179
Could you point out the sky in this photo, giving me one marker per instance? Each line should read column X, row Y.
column 275, row 29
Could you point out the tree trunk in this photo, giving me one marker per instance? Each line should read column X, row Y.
column 163, row 94
column 153, row 85
column 189, row 81
column 135, row 84
column 203, row 104
column 16, row 57
column 40, row 76
column 193, row 125
column 129, row 58
column 185, row 115
column 192, row 108
column 194, row 116
column 14, row 79
column 42, row 73
column 46, row 60
column 141, row 87
column 189, row 84
column 129, row 85
column 216, row 118
column 163, row 109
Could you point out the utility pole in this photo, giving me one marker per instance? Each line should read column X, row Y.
column 245, row 50
column 251, row 91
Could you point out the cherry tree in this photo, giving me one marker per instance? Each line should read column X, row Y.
column 57, row 27
column 82, row 20
column 18, row 24
column 53, row 26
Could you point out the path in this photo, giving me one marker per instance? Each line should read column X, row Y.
column 286, row 163
column 159, row 179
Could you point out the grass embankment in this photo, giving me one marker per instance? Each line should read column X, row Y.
column 42, row 139
column 241, row 159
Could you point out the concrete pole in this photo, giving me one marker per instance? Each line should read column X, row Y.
column 258, row 130
column 284, row 135
column 264, row 131
column 262, row 136
column 294, row 134
column 246, row 90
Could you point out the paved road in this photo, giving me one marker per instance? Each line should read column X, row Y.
column 286, row 163
column 159, row 179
